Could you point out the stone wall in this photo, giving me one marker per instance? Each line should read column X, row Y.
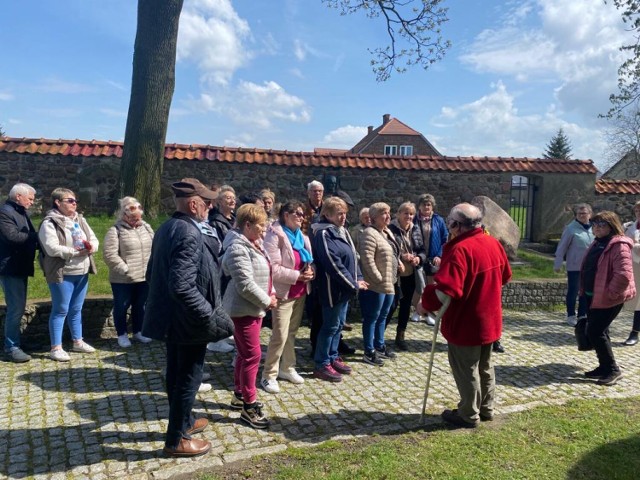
column 97, row 320
column 621, row 204
column 94, row 179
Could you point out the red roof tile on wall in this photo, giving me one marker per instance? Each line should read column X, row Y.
column 320, row 158
column 627, row 187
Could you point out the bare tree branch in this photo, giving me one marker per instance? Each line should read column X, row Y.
column 413, row 28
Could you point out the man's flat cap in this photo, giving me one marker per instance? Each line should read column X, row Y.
column 190, row 187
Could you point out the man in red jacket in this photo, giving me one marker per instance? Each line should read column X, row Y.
column 473, row 270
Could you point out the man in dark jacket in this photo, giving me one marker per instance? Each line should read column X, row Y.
column 18, row 243
column 184, row 308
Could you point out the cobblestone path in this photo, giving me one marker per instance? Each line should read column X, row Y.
column 103, row 415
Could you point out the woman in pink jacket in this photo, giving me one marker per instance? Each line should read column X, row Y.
column 607, row 282
column 290, row 254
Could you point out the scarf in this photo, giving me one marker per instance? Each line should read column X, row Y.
column 297, row 243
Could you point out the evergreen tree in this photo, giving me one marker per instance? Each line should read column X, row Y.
column 559, row 147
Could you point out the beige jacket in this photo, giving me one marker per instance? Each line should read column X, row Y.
column 378, row 260
column 126, row 252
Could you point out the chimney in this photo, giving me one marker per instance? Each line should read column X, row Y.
column 369, row 129
column 385, row 118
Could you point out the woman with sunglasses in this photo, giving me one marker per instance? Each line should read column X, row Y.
column 67, row 247
column 127, row 248
column 606, row 280
column 290, row 253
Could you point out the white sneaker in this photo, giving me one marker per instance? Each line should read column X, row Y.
column 430, row 320
column 572, row 320
column 291, row 376
column 204, row 387
column 138, row 337
column 205, row 376
column 123, row 341
column 270, row 386
column 18, row 356
column 221, row 346
column 59, row 355
column 416, row 317
column 82, row 347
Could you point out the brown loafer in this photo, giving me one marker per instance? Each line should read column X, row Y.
column 198, row 426
column 188, row 448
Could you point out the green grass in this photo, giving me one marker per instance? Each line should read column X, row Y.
column 537, row 266
column 99, row 283
column 588, row 439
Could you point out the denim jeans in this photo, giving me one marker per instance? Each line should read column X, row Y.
column 333, row 319
column 375, row 307
column 127, row 295
column 15, row 295
column 573, row 287
column 184, row 374
column 67, row 298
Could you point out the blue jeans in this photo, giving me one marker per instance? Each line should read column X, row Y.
column 375, row 307
column 67, row 298
column 15, row 294
column 333, row 319
column 184, row 374
column 127, row 295
column 573, row 287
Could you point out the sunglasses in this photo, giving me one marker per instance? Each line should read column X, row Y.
column 297, row 214
column 600, row 223
column 69, row 200
column 133, row 208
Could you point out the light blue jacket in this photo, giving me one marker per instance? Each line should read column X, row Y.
column 573, row 245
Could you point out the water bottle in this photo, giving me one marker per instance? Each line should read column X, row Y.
column 77, row 237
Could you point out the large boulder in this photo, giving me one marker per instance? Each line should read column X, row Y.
column 500, row 225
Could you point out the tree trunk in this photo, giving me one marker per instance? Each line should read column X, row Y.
column 153, row 81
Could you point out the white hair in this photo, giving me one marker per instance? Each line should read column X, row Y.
column 314, row 183
column 124, row 203
column 21, row 189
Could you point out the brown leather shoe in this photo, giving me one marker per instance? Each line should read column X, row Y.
column 188, row 448
column 198, row 426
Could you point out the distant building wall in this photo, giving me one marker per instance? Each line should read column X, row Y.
column 94, row 179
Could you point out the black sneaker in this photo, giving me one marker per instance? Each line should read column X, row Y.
column 386, row 353
column 595, row 373
column 610, row 379
column 252, row 414
column 373, row 358
column 238, row 404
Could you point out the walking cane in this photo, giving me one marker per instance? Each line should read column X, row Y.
column 436, row 328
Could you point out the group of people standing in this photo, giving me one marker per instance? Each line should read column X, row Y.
column 602, row 258
column 67, row 246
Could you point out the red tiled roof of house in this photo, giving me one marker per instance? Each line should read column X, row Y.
column 628, row 187
column 396, row 127
column 176, row 151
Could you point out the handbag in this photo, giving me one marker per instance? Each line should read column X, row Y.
column 584, row 344
column 429, row 268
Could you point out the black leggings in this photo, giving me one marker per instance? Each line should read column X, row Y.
column 598, row 321
column 402, row 299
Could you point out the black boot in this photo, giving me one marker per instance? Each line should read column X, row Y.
column 497, row 347
column 632, row 340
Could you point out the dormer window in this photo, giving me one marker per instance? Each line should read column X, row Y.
column 390, row 149
column 406, row 150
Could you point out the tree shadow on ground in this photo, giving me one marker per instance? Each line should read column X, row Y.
column 613, row 460
column 538, row 375
column 550, row 339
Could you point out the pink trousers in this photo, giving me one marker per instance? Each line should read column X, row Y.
column 247, row 336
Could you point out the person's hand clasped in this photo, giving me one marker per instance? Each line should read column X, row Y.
column 362, row 285
column 274, row 303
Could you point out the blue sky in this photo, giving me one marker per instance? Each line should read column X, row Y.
column 294, row 75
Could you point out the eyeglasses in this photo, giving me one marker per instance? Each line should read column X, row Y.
column 133, row 208
column 601, row 223
column 69, row 200
column 297, row 214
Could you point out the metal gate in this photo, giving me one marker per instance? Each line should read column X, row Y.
column 522, row 203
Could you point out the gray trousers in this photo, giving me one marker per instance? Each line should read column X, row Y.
column 475, row 378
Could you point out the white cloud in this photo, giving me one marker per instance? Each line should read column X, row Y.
column 573, row 43
column 5, row 96
column 61, row 86
column 493, row 126
column 250, row 104
column 112, row 112
column 299, row 50
column 213, row 36
column 344, row 137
